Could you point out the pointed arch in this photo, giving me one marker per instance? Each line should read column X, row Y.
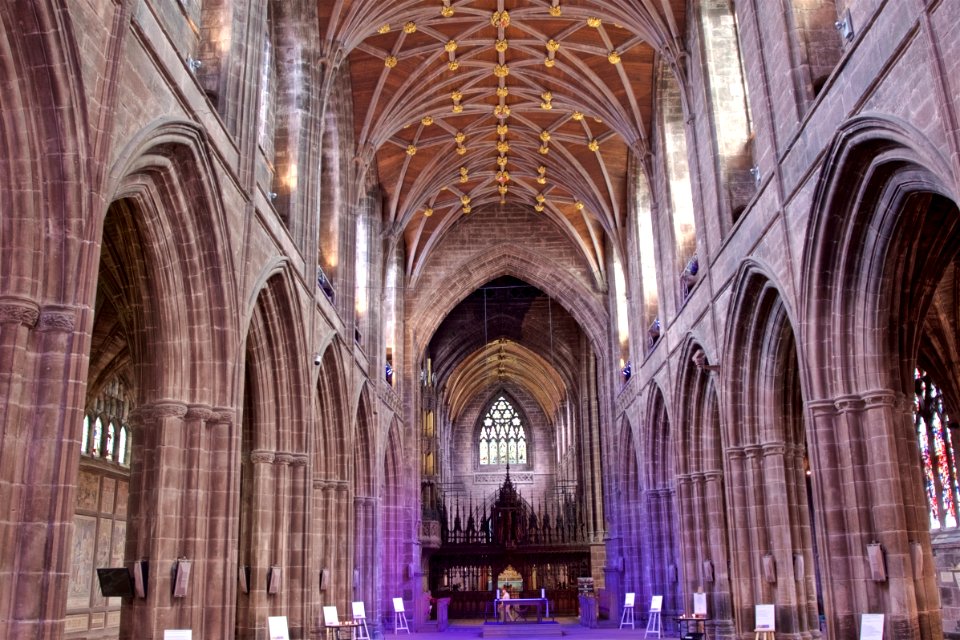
column 881, row 175
column 586, row 308
column 767, row 457
column 166, row 187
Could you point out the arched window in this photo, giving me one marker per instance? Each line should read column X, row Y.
column 936, row 451
column 502, row 437
column 85, row 437
column 108, row 447
column 96, row 438
column 122, row 448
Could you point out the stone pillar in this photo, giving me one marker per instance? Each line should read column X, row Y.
column 41, row 392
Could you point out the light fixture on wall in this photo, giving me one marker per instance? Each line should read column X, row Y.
column 193, row 64
column 845, row 26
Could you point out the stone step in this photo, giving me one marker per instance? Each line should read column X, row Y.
column 522, row 630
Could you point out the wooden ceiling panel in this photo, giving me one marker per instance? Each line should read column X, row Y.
column 548, row 98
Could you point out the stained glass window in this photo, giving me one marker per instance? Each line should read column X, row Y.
column 502, row 437
column 96, row 438
column 122, row 447
column 85, row 438
column 936, row 451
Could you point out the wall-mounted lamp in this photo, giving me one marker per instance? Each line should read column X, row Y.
column 193, row 64
column 845, row 26
column 272, row 195
column 755, row 172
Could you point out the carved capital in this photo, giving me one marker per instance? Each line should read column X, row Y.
column 224, row 416
column 199, row 412
column 822, row 408
column 774, row 449
column 848, row 404
column 299, row 459
column 158, row 411
column 880, row 398
column 15, row 310
column 261, row 457
column 283, row 458
column 57, row 318
column 753, row 451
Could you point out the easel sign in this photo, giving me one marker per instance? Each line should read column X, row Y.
column 629, row 599
column 178, row 634
column 656, row 604
column 277, row 628
column 871, row 626
column 766, row 619
column 700, row 604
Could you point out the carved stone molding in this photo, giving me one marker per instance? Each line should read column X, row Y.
column 390, row 398
column 753, row 451
column 224, row 416
column 200, row 412
column 298, row 459
column 14, row 310
column 822, row 407
column 283, row 458
column 158, row 411
column 57, row 318
column 849, row 404
column 774, row 449
column 881, row 398
column 261, row 457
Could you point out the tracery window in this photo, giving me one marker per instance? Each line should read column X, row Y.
column 936, row 452
column 111, row 443
column 502, row 437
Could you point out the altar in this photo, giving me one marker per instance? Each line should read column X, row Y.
column 518, row 605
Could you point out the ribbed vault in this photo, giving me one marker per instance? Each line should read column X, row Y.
column 505, row 361
column 470, row 103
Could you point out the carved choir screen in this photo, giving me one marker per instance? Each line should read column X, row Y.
column 546, row 543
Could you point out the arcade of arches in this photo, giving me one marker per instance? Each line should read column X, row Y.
column 355, row 299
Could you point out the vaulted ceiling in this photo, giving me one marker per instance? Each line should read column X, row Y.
column 463, row 104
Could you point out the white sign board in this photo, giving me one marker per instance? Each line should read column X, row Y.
column 358, row 610
column 398, row 605
column 629, row 599
column 178, row 634
column 656, row 604
column 871, row 626
column 277, row 628
column 766, row 619
column 700, row 604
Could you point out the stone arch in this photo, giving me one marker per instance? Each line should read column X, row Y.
column 884, row 230
column 164, row 273
column 876, row 170
column 274, row 475
column 277, row 369
column 774, row 555
column 333, row 415
column 701, row 485
column 46, row 200
column 588, row 310
column 165, row 175
column 332, row 454
column 397, row 563
column 628, row 494
column 365, row 521
column 659, row 559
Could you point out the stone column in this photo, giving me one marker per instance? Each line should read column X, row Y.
column 41, row 392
